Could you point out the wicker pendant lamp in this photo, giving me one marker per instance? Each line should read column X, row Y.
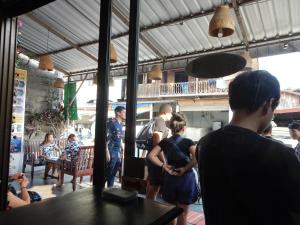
column 113, row 54
column 155, row 73
column 46, row 60
column 58, row 83
column 222, row 24
column 46, row 63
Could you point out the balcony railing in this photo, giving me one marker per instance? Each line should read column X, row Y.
column 194, row 88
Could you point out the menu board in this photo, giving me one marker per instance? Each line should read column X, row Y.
column 18, row 117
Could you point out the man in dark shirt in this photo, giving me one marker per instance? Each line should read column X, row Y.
column 294, row 129
column 247, row 179
column 160, row 131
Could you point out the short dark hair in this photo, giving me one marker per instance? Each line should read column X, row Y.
column 294, row 125
column 71, row 136
column 177, row 122
column 119, row 109
column 249, row 90
column 165, row 108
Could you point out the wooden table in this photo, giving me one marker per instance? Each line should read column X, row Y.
column 86, row 207
column 53, row 163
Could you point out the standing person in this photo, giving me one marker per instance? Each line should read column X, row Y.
column 267, row 133
column 160, row 131
column 114, row 144
column 294, row 129
column 180, row 185
column 246, row 178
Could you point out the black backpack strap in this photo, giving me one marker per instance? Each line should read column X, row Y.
column 177, row 149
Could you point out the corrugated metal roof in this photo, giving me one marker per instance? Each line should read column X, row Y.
column 78, row 21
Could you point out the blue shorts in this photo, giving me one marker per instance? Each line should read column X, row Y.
column 182, row 190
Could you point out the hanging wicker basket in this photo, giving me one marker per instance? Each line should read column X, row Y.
column 113, row 54
column 155, row 73
column 46, row 63
column 58, row 83
column 222, row 24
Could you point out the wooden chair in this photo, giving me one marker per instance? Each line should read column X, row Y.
column 81, row 166
column 32, row 153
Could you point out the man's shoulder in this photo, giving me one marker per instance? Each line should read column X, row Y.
column 112, row 120
column 158, row 119
column 159, row 122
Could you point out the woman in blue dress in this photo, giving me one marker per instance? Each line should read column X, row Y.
column 180, row 182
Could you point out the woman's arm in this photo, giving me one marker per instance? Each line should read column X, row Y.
column 15, row 202
column 153, row 156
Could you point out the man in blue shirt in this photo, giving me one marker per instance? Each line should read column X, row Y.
column 114, row 144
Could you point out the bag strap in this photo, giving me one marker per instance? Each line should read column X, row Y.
column 177, row 149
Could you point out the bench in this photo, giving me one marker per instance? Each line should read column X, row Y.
column 32, row 153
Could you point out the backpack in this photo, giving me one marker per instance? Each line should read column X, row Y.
column 144, row 137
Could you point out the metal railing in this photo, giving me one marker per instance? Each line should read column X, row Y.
column 194, row 88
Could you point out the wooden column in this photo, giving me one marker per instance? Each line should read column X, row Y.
column 8, row 31
column 134, row 30
column 102, row 94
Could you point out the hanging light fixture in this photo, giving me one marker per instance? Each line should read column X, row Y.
column 155, row 73
column 46, row 60
column 215, row 65
column 113, row 54
column 46, row 63
column 59, row 83
column 222, row 24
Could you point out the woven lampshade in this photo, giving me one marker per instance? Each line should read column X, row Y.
column 222, row 24
column 113, row 54
column 155, row 73
column 46, row 63
column 58, row 83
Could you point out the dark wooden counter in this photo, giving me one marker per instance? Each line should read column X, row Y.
column 86, row 207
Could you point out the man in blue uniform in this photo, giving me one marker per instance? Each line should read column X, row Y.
column 114, row 144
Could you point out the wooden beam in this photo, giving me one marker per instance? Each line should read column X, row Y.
column 241, row 22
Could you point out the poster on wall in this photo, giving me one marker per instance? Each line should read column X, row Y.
column 17, row 125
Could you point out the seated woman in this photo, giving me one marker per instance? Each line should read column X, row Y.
column 180, row 183
column 71, row 148
column 14, row 201
column 49, row 149
column 70, row 153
